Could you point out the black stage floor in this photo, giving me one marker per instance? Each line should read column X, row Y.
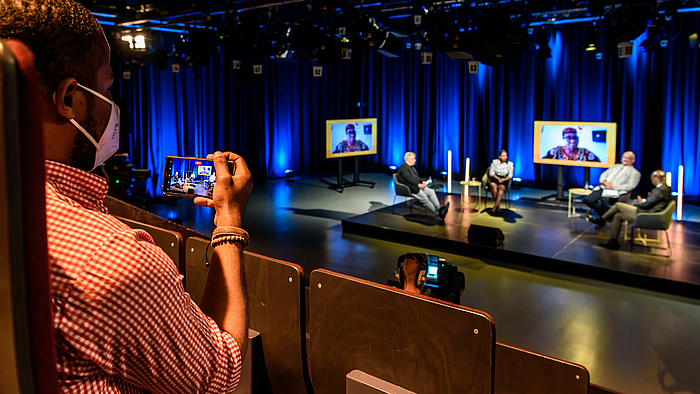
column 541, row 236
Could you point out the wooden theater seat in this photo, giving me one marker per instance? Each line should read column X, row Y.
column 276, row 306
column 520, row 371
column 27, row 346
column 417, row 343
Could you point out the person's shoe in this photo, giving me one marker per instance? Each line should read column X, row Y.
column 442, row 212
column 599, row 222
column 611, row 244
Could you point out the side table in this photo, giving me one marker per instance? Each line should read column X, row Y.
column 467, row 185
column 571, row 210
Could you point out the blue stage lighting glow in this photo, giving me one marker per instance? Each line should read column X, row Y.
column 443, row 173
column 392, row 168
column 108, row 23
column 517, row 180
column 102, row 15
column 288, row 171
column 169, row 30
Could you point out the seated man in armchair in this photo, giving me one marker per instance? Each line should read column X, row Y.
column 658, row 198
column 615, row 182
column 408, row 175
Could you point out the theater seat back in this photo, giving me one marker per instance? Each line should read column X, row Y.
column 27, row 347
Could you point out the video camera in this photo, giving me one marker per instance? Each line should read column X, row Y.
column 444, row 280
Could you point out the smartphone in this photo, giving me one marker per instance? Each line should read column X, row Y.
column 190, row 176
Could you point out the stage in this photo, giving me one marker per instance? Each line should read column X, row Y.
column 541, row 236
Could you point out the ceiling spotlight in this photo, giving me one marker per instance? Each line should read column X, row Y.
column 136, row 43
column 542, row 46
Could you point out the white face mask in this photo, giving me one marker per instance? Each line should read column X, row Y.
column 109, row 142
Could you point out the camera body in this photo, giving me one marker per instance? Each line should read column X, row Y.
column 443, row 279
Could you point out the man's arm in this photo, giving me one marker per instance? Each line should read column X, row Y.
column 629, row 182
column 224, row 297
column 656, row 196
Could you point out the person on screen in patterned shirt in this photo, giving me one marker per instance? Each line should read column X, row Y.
column 351, row 144
column 571, row 151
column 123, row 322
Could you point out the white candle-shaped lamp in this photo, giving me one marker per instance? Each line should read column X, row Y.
column 679, row 211
column 466, row 177
column 449, row 171
column 466, row 171
column 669, row 180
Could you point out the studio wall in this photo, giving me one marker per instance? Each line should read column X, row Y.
column 276, row 120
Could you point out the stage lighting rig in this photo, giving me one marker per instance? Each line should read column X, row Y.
column 181, row 51
column 590, row 44
column 542, row 45
column 694, row 41
column 656, row 38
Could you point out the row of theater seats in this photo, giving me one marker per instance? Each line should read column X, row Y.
column 338, row 333
column 343, row 334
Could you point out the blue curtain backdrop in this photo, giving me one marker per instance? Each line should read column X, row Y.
column 276, row 120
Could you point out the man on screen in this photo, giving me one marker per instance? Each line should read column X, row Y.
column 616, row 181
column 350, row 144
column 408, row 175
column 571, row 151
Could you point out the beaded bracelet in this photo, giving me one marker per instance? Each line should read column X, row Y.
column 226, row 234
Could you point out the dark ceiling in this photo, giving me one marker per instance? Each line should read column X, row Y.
column 487, row 31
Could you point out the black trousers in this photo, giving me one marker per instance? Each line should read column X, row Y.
column 598, row 203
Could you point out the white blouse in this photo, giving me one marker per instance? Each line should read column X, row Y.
column 503, row 170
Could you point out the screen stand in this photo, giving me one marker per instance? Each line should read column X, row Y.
column 586, row 177
column 356, row 180
column 560, row 187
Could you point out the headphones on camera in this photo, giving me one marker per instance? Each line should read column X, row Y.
column 421, row 277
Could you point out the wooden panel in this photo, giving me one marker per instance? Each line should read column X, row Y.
column 169, row 241
column 9, row 374
column 196, row 270
column 523, row 372
column 414, row 342
column 595, row 389
column 276, row 307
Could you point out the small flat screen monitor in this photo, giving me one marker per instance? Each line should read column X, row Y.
column 351, row 137
column 582, row 144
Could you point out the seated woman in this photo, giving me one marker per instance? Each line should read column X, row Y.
column 500, row 172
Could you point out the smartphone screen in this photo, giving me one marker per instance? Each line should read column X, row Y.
column 190, row 176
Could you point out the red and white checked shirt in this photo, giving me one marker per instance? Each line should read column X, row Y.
column 122, row 319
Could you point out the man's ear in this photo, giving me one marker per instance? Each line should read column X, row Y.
column 64, row 98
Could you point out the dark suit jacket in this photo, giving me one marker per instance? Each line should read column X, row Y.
column 408, row 175
column 657, row 200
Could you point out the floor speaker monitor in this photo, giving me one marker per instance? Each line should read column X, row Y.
column 485, row 236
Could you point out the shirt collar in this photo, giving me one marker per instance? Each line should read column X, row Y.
column 88, row 190
column 659, row 185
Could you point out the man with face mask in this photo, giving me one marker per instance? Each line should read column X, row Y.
column 122, row 320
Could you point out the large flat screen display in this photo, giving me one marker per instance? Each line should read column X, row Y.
column 351, row 137
column 583, row 144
